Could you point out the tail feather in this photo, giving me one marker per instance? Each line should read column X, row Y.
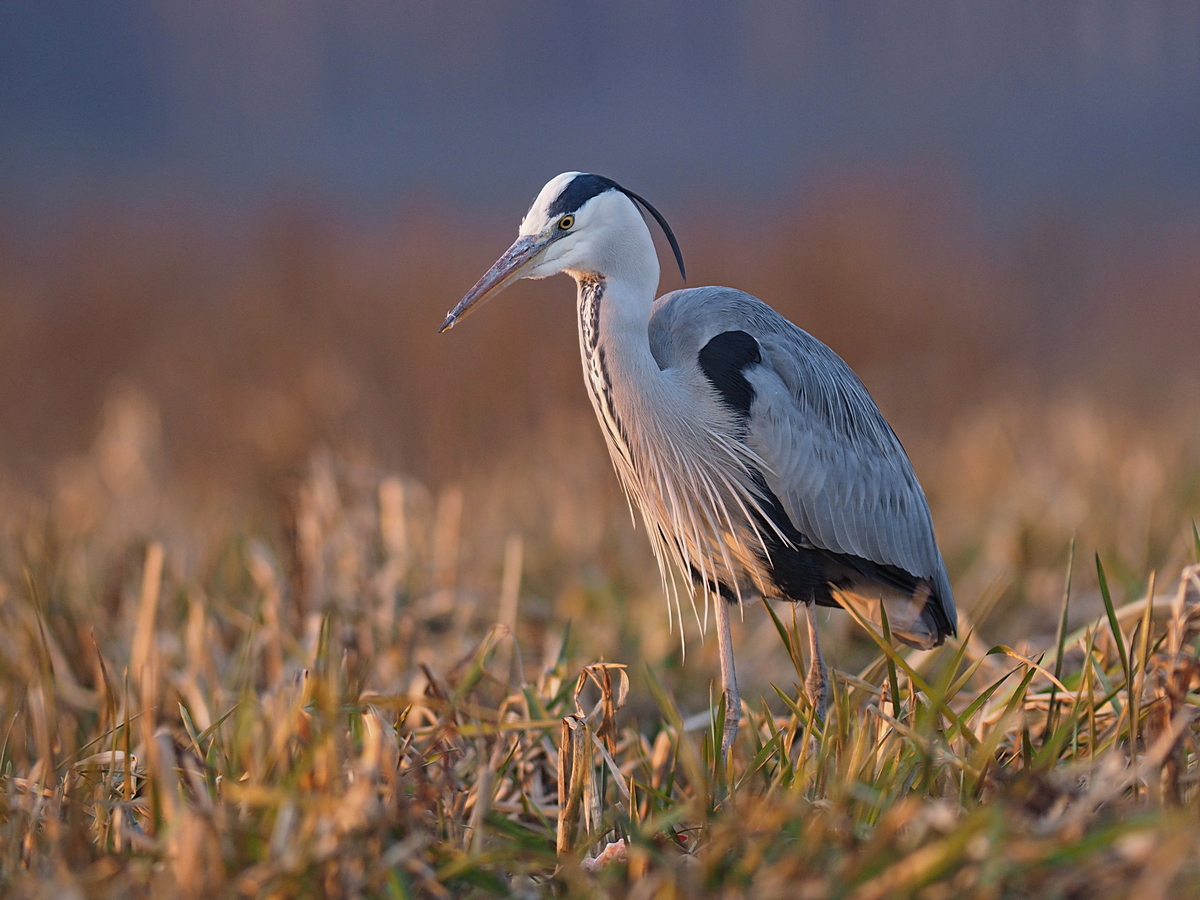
column 912, row 617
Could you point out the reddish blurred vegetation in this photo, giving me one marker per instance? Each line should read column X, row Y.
column 258, row 340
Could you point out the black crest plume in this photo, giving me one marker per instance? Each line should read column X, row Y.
column 584, row 187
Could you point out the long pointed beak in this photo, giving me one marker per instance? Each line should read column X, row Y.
column 505, row 271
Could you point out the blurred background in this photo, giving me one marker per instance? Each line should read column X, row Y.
column 229, row 231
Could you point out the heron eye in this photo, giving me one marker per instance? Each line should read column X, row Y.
column 566, row 222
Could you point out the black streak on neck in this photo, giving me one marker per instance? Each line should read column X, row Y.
column 591, row 292
column 595, row 364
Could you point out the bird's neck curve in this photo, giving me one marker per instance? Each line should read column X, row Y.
column 622, row 306
column 619, row 367
column 614, row 323
column 621, row 287
column 622, row 259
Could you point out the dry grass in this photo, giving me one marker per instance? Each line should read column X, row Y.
column 347, row 701
column 242, row 654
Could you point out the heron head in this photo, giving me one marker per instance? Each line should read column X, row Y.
column 578, row 223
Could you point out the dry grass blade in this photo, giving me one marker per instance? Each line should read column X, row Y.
column 576, row 783
column 143, row 636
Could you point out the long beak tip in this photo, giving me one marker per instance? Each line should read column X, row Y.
column 503, row 272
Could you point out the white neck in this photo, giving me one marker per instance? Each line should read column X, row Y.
column 626, row 387
column 616, row 288
column 626, row 263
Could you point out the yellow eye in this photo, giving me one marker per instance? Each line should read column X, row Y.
column 566, row 222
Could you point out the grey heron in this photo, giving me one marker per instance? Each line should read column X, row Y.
column 759, row 463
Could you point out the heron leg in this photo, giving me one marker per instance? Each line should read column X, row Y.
column 733, row 703
column 816, row 684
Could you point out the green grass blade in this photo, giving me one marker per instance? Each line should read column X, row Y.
column 769, row 749
column 1112, row 618
column 475, row 670
column 792, row 705
column 914, row 677
column 893, row 681
column 786, row 637
column 1060, row 641
column 211, row 729
column 692, row 763
column 974, row 705
column 1141, row 661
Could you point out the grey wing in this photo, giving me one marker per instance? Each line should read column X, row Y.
column 833, row 461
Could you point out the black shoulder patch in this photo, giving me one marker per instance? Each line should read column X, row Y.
column 723, row 361
column 581, row 189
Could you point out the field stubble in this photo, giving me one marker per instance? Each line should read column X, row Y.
column 377, row 691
